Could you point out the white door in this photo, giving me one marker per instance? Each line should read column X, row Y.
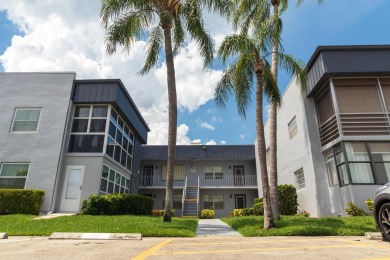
column 71, row 193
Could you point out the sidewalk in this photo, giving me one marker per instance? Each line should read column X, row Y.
column 214, row 227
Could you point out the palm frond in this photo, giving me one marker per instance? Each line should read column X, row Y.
column 236, row 44
column 155, row 41
column 243, row 82
column 192, row 14
column 178, row 34
column 224, row 87
column 270, row 86
column 294, row 67
column 114, row 9
column 126, row 30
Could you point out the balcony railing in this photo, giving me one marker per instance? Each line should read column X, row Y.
column 224, row 181
column 150, row 181
column 229, row 181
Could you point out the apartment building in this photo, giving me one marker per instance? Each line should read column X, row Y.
column 334, row 139
column 70, row 138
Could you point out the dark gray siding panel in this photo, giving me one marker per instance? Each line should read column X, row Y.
column 201, row 152
column 131, row 112
column 316, row 72
column 330, row 61
column 112, row 92
column 136, row 166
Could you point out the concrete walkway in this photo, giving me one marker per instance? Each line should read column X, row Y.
column 54, row 215
column 214, row 227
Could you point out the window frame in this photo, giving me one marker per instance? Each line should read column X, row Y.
column 21, row 109
column 298, row 184
column 211, row 201
column 292, row 125
column 15, row 177
column 117, row 176
column 214, row 175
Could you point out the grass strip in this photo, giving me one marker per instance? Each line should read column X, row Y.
column 25, row 225
column 303, row 226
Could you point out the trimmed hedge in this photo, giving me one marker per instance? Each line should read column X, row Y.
column 288, row 199
column 21, row 201
column 117, row 204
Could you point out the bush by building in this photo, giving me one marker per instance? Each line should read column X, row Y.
column 117, row 204
column 20, row 201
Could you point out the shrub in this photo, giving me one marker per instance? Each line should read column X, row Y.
column 117, row 204
column 207, row 213
column 305, row 213
column 245, row 211
column 370, row 204
column 237, row 212
column 20, row 201
column 258, row 209
column 251, row 212
column 257, row 200
column 288, row 199
column 353, row 210
column 160, row 212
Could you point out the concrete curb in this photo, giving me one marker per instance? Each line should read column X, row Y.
column 4, row 235
column 373, row 235
column 96, row 236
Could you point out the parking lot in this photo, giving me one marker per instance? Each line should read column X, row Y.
column 197, row 248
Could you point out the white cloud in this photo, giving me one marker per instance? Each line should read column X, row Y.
column 67, row 36
column 211, row 142
column 206, row 126
column 242, row 136
column 223, row 142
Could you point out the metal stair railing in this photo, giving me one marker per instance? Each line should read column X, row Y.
column 183, row 197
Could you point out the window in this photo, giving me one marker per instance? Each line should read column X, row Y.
column 26, row 120
column 176, row 201
column 13, row 175
column 331, row 169
column 292, row 128
column 120, row 141
column 299, row 179
column 359, row 162
column 213, row 172
column 213, row 201
column 380, row 154
column 178, row 173
column 88, row 129
column 113, row 182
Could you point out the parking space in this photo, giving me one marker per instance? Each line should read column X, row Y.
column 197, row 248
column 269, row 248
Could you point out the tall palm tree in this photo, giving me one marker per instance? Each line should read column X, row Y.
column 126, row 21
column 273, row 172
column 250, row 51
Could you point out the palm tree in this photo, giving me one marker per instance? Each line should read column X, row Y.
column 273, row 172
column 250, row 51
column 126, row 21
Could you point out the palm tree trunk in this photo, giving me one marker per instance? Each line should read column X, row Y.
column 172, row 123
column 273, row 173
column 260, row 139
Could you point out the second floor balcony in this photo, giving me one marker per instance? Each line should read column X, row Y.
column 247, row 181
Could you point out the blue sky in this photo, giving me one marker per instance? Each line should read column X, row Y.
column 66, row 36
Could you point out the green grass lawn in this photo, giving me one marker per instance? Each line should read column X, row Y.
column 303, row 226
column 25, row 225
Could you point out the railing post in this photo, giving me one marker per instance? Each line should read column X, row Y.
column 183, row 197
column 197, row 199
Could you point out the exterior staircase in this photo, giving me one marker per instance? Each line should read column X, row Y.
column 190, row 206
